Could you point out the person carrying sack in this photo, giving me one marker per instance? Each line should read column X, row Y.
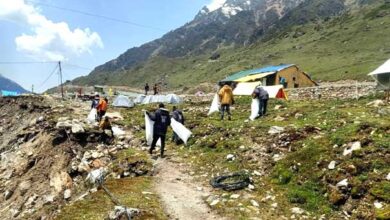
column 161, row 120
column 263, row 96
column 226, row 99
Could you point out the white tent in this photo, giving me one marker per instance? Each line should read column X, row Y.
column 123, row 101
column 247, row 89
column 170, row 98
column 139, row 99
column 382, row 75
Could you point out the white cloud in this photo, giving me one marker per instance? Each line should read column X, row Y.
column 48, row 40
column 215, row 4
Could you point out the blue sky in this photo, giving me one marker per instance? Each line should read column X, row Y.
column 32, row 31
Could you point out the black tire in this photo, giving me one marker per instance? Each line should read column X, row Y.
column 242, row 183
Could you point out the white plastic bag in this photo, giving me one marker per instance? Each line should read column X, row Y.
column 254, row 109
column 214, row 105
column 149, row 131
column 96, row 177
column 180, row 130
column 92, row 116
column 117, row 131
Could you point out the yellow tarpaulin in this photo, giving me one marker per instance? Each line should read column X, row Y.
column 254, row 77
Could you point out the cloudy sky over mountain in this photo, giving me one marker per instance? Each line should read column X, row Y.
column 76, row 33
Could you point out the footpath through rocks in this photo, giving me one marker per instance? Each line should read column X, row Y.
column 182, row 198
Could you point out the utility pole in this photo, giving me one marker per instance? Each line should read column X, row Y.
column 32, row 89
column 62, row 87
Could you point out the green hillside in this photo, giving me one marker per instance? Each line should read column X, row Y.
column 344, row 47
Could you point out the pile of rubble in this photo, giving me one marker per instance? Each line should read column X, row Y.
column 46, row 158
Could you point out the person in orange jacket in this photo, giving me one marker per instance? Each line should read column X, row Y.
column 226, row 98
column 102, row 108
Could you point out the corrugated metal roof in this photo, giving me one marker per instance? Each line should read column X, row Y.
column 256, row 71
column 254, row 77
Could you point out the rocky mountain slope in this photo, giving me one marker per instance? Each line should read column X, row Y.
column 237, row 25
column 9, row 85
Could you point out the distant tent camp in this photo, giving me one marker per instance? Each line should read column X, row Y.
column 170, row 98
column 8, row 93
column 123, row 101
column 288, row 75
column 382, row 75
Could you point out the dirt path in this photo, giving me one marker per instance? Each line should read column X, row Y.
column 181, row 198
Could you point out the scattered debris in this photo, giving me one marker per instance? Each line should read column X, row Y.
column 332, row 165
column 121, row 212
column 67, row 194
column 342, row 183
column 297, row 210
column 241, row 181
column 230, row 157
column 275, row 130
column 352, row 147
column 254, row 203
column 234, row 196
column 214, row 202
column 378, row 205
column 376, row 103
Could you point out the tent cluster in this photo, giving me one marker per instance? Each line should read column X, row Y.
column 123, row 101
column 147, row 99
column 8, row 93
column 126, row 102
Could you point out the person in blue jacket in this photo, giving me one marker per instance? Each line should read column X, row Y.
column 162, row 120
column 95, row 101
column 263, row 96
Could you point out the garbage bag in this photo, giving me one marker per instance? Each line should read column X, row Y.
column 180, row 130
column 96, row 177
column 214, row 105
column 117, row 131
column 254, row 109
column 149, row 131
column 92, row 116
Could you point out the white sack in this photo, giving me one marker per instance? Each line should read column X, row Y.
column 254, row 109
column 149, row 131
column 180, row 130
column 92, row 116
column 96, row 176
column 214, row 105
column 117, row 131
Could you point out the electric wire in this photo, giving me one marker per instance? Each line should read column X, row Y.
column 96, row 15
column 50, row 75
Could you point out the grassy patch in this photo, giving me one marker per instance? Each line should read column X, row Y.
column 128, row 191
column 382, row 191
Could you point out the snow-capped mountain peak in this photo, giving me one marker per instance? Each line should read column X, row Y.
column 215, row 4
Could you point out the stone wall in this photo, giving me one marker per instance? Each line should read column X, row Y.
column 333, row 91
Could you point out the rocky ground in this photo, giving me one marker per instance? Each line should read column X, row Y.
column 312, row 159
column 48, row 149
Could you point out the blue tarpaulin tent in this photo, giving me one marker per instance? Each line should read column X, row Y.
column 9, row 93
